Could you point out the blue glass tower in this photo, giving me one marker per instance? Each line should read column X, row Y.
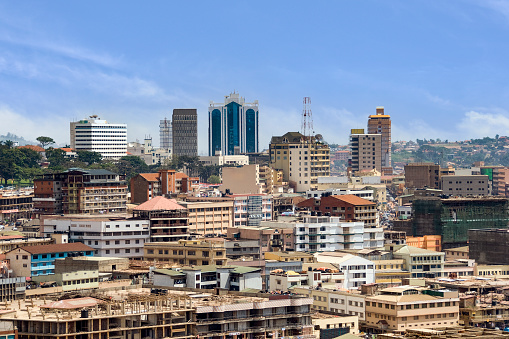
column 233, row 126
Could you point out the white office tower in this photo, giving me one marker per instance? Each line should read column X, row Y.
column 166, row 135
column 96, row 135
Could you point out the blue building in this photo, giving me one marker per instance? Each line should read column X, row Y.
column 233, row 126
column 32, row 261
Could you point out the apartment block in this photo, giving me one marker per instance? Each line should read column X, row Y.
column 420, row 262
column 109, row 237
column 271, row 238
column 357, row 270
column 366, row 151
column 407, row 307
column 286, row 281
column 380, row 123
column 209, row 217
column 251, row 209
column 301, row 159
column 465, row 185
column 188, row 252
column 237, row 249
column 16, row 204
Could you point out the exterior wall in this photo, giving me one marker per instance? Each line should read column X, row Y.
column 220, row 160
column 271, row 239
column 290, row 256
column 140, row 189
column 113, row 238
column 427, row 242
column 366, row 152
column 252, row 209
column 358, row 271
column 166, row 135
column 456, row 253
column 421, row 264
column 236, row 249
column 187, row 252
column 489, row 246
column 421, row 175
column 380, row 123
column 464, row 185
column 241, row 180
column 185, row 132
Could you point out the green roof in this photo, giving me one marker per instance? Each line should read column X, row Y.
column 166, row 271
column 244, row 269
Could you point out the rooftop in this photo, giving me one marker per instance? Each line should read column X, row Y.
column 56, row 248
column 159, row 204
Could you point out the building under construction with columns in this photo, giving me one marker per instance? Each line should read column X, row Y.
column 452, row 218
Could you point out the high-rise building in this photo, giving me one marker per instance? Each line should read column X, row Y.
column 233, row 126
column 96, row 135
column 302, row 160
column 185, row 132
column 380, row 123
column 365, row 151
column 165, row 135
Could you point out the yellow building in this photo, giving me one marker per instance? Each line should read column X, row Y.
column 406, row 307
column 210, row 251
column 271, row 180
column 209, row 217
column 290, row 256
column 301, row 159
column 427, row 242
column 390, row 271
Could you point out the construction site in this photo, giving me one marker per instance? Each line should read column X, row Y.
column 452, row 218
column 142, row 313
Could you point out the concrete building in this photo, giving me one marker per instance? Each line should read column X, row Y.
column 358, row 271
column 364, row 194
column 33, row 261
column 290, row 256
column 489, row 246
column 380, row 123
column 206, row 251
column 331, row 325
column 168, row 220
column 78, row 191
column 16, row 204
column 457, row 253
column 301, row 159
column 420, row 262
column 465, row 185
column 286, row 281
column 148, row 153
column 272, row 180
column 241, row 180
column 146, row 186
column 166, row 135
column 233, row 126
column 426, row 242
column 251, row 209
column 422, row 175
column 185, row 132
column 221, row 160
column 72, row 274
column 271, row 238
column 96, row 135
column 237, row 249
column 366, row 151
column 403, row 307
column 209, row 217
column 109, row 237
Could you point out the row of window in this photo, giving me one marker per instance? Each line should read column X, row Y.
column 80, row 281
column 411, row 306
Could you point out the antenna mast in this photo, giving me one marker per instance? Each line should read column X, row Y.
column 307, row 119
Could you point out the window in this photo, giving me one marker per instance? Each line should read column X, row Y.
column 127, row 242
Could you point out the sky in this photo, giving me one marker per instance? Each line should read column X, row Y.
column 440, row 68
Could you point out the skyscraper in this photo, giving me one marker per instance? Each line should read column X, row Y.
column 185, row 132
column 96, row 135
column 233, row 126
column 380, row 123
column 365, row 151
column 165, row 135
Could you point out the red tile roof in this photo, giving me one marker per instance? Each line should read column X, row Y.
column 150, row 176
column 6, row 237
column 33, row 148
column 353, row 199
column 57, row 248
column 66, row 149
column 159, row 204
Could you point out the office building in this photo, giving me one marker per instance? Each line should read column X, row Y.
column 366, row 151
column 233, row 126
column 380, row 123
column 185, row 132
column 209, row 217
column 422, row 175
column 165, row 135
column 465, row 185
column 205, row 251
column 96, row 135
column 301, row 159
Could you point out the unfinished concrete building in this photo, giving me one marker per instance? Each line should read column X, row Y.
column 452, row 218
column 489, row 246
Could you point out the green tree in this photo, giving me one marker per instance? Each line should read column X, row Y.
column 56, row 157
column 214, row 179
column 44, row 141
column 89, row 157
column 9, row 143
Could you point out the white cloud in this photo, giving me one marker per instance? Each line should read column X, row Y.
column 478, row 125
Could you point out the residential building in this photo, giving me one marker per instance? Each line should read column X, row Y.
column 331, row 325
column 366, row 151
column 363, row 193
column 185, row 132
column 117, row 236
column 32, row 261
column 241, row 180
column 72, row 274
column 166, row 135
column 209, row 217
column 271, row 238
column 346, row 207
column 301, row 159
column 457, row 253
column 12, row 289
column 422, row 175
column 380, row 123
column 290, row 256
column 272, row 180
column 268, row 266
column 357, row 270
column 206, row 251
column 16, row 204
column 146, row 186
column 148, row 153
column 251, row 209
column 8, row 243
column 420, row 262
column 221, row 160
column 96, row 135
column 233, row 126
column 465, row 185
column 237, row 249
column 168, row 220
column 404, row 307
column 286, row 281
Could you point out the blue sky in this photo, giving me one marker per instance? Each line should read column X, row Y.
column 440, row 68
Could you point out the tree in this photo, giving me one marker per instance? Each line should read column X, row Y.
column 55, row 156
column 214, row 179
column 89, row 157
column 9, row 143
column 44, row 141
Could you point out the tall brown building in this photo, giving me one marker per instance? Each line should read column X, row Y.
column 365, row 151
column 422, row 174
column 380, row 123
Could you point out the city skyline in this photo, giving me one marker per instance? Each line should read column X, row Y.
column 438, row 69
